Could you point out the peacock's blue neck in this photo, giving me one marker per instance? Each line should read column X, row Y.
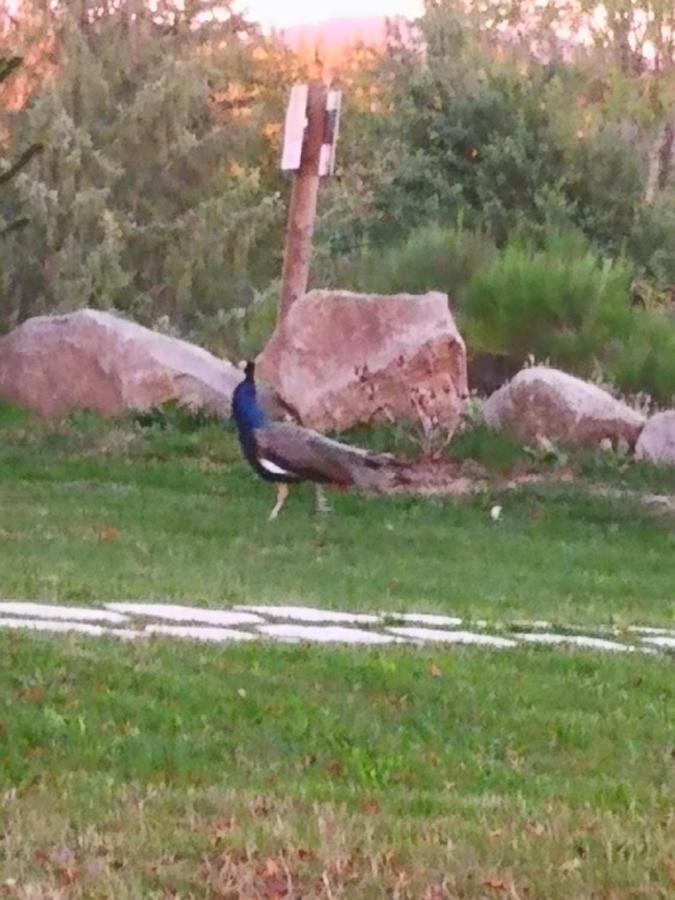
column 245, row 410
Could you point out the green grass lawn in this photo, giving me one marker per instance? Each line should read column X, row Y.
column 175, row 770
column 90, row 512
column 167, row 769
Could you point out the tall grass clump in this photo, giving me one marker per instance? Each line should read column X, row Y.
column 559, row 301
column 431, row 258
column 645, row 361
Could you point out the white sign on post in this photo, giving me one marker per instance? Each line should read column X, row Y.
column 330, row 135
column 294, row 129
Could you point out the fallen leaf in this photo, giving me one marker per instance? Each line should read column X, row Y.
column 108, row 534
column 262, row 808
column 271, row 868
column 434, row 671
column 32, row 695
column 402, row 879
column 433, row 892
column 669, row 865
column 371, row 807
column 68, row 876
column 570, row 865
column 535, row 829
column 305, row 855
column 41, row 856
column 222, row 829
column 333, row 767
column 497, row 884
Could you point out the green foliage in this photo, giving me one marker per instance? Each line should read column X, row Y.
column 12, row 217
column 644, row 361
column 513, row 144
column 239, row 332
column 431, row 258
column 154, row 194
column 547, row 294
column 477, row 156
column 496, row 451
column 565, row 304
column 559, row 302
column 652, row 240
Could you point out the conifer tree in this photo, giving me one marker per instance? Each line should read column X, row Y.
column 12, row 219
column 149, row 196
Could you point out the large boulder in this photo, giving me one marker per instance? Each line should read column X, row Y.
column 341, row 359
column 657, row 440
column 546, row 403
column 97, row 361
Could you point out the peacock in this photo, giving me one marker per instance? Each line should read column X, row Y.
column 286, row 454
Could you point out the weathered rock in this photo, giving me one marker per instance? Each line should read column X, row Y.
column 94, row 360
column 657, row 439
column 340, row 359
column 547, row 403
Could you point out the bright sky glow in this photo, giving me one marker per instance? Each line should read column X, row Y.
column 286, row 13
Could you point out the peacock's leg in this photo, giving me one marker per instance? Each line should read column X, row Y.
column 322, row 504
column 282, row 493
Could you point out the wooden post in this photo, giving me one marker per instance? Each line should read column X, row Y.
column 302, row 212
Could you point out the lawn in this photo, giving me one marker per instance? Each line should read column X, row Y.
column 91, row 512
column 166, row 769
column 173, row 770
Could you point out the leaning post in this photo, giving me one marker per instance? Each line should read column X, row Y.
column 310, row 133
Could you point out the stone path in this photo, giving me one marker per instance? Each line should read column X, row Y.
column 292, row 624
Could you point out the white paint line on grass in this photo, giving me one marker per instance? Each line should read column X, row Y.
column 200, row 633
column 126, row 634
column 325, row 626
column 640, row 629
column 48, row 611
column 661, row 641
column 535, row 623
column 309, row 614
column 46, row 625
column 424, row 619
column 578, row 640
column 453, row 637
column 176, row 613
column 325, row 634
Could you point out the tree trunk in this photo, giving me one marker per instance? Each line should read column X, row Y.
column 660, row 162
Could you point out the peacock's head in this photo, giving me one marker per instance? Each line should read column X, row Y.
column 245, row 410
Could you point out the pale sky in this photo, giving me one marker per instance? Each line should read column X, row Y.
column 284, row 13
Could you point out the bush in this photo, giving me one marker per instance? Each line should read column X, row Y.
column 238, row 332
column 560, row 302
column 652, row 241
column 645, row 360
column 431, row 258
